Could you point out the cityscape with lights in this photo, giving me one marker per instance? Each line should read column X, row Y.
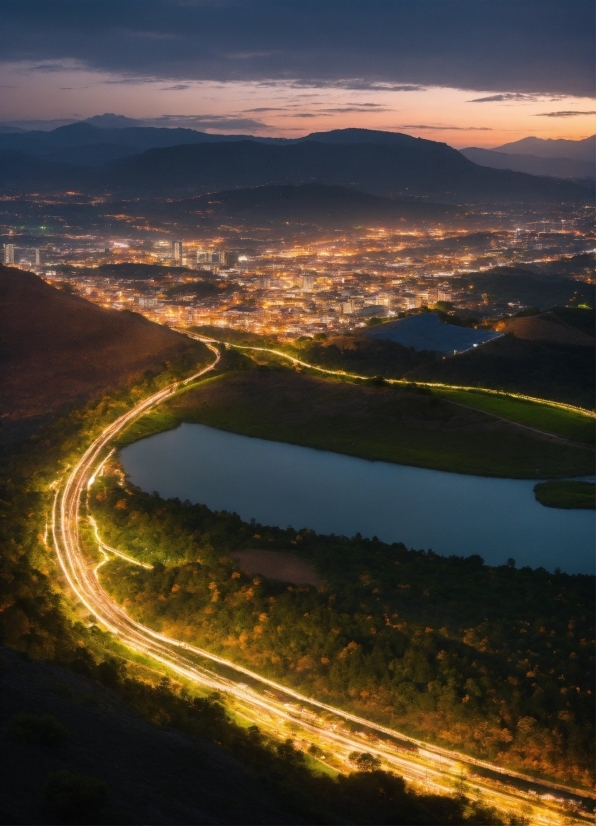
column 298, row 413
column 288, row 287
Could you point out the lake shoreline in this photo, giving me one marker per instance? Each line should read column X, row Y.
column 278, row 484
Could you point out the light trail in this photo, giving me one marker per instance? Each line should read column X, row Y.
column 107, row 549
column 181, row 657
column 343, row 373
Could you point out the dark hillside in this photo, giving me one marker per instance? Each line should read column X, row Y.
column 21, row 172
column 57, row 349
column 410, row 168
column 507, row 284
column 546, row 369
column 153, row 774
column 318, row 205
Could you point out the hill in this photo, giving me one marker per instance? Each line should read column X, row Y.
column 582, row 150
column 318, row 205
column 532, row 289
column 532, row 164
column 540, row 364
column 549, row 326
column 22, row 172
column 57, row 350
column 542, row 368
column 413, row 167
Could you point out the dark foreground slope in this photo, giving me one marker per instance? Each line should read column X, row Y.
column 153, row 774
column 57, row 349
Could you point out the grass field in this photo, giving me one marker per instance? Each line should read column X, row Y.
column 566, row 494
column 402, row 425
column 569, row 425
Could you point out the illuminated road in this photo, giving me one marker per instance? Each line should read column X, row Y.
column 264, row 701
column 505, row 394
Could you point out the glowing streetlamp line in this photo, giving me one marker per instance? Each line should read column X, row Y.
column 503, row 393
column 83, row 580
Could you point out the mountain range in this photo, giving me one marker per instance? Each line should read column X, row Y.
column 176, row 163
column 582, row 150
column 532, row 164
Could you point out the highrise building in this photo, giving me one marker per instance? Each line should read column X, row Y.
column 9, row 253
column 307, row 283
column 37, row 254
column 177, row 251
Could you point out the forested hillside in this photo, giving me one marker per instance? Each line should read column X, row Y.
column 495, row 662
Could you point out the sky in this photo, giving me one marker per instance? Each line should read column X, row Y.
column 467, row 72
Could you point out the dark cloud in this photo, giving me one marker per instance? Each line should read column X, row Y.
column 179, row 87
column 563, row 114
column 524, row 46
column 504, row 96
column 259, row 109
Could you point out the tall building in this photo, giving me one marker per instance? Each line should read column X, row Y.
column 307, row 283
column 37, row 254
column 177, row 251
column 9, row 253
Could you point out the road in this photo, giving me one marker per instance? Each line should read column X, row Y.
column 264, row 701
column 298, row 362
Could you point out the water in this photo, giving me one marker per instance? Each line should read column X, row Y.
column 281, row 484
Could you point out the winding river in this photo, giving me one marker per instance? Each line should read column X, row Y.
column 282, row 484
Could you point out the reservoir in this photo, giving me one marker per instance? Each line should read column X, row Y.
column 281, row 484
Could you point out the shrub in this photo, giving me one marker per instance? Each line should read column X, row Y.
column 34, row 728
column 75, row 798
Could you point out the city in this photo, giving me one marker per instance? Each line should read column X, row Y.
column 330, row 286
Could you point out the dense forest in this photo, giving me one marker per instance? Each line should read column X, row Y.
column 496, row 662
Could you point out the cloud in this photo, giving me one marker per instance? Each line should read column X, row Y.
column 563, row 114
column 220, row 122
column 440, row 128
column 357, row 84
column 260, row 109
column 504, row 96
column 511, row 46
column 179, row 87
column 364, row 107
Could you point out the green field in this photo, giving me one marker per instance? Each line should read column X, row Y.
column 395, row 424
column 574, row 426
column 566, row 494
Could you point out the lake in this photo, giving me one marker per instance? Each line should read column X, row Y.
column 281, row 484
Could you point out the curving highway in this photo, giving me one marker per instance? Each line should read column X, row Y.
column 271, row 705
column 583, row 411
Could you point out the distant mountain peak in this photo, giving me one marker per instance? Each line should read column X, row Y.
column 356, row 135
column 582, row 149
column 109, row 120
